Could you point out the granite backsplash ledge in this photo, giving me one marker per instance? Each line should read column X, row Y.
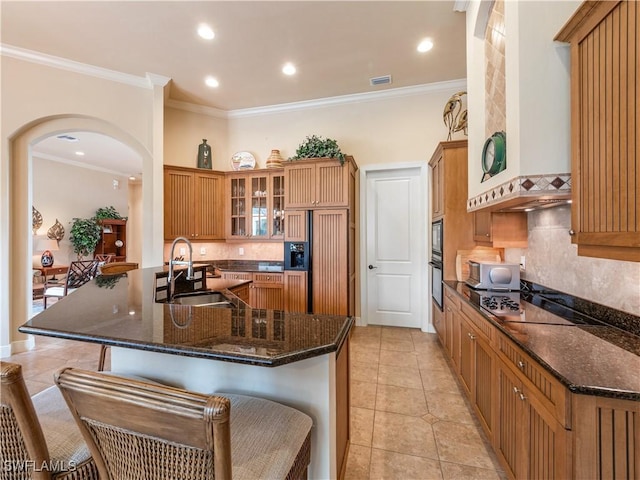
column 615, row 318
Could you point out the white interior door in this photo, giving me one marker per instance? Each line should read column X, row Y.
column 394, row 243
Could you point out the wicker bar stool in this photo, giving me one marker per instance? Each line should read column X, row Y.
column 39, row 438
column 137, row 429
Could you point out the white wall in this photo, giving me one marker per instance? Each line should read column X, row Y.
column 62, row 191
column 38, row 101
column 537, row 91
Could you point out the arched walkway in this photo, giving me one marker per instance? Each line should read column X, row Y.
column 15, row 273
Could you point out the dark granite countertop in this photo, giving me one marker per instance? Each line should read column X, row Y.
column 246, row 265
column 120, row 311
column 591, row 358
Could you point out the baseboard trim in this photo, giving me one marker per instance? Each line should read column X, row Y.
column 18, row 347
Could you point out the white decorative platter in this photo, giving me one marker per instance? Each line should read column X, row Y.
column 243, row 161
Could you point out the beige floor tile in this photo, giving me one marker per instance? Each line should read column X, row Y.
column 368, row 331
column 455, row 471
column 450, row 407
column 398, row 359
column 462, row 444
column 364, row 372
column 358, row 463
column 397, row 333
column 441, row 381
column 34, row 387
column 403, row 434
column 361, row 426
column 407, row 401
column 424, row 338
column 396, row 345
column 365, row 343
column 432, row 360
column 396, row 466
column 399, row 376
column 363, row 394
column 364, row 355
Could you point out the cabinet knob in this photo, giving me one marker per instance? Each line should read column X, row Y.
column 572, row 232
column 472, row 337
column 486, row 234
column 521, row 364
column 522, row 397
column 515, row 390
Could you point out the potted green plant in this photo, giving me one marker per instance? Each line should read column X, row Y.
column 107, row 212
column 317, row 147
column 84, row 236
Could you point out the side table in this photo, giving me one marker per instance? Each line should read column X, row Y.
column 52, row 270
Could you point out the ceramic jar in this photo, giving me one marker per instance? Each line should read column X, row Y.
column 274, row 160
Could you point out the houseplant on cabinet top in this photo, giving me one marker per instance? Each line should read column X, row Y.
column 318, row 147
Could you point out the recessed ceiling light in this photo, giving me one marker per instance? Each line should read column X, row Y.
column 206, row 32
column 132, row 177
column 425, row 45
column 212, row 82
column 289, row 69
column 80, row 154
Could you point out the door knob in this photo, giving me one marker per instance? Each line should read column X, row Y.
column 371, row 267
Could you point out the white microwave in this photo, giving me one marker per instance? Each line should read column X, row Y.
column 493, row 276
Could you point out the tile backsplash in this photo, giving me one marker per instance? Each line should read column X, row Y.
column 231, row 251
column 552, row 260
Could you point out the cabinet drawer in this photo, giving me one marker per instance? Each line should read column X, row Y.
column 480, row 324
column 452, row 298
column 236, row 275
column 553, row 395
column 268, row 277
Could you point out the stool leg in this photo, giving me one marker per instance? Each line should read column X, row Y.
column 101, row 359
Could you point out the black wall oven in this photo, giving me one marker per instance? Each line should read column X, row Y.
column 436, row 262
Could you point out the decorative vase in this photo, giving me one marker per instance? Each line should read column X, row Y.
column 274, row 160
column 47, row 258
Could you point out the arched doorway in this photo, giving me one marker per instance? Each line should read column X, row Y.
column 15, row 285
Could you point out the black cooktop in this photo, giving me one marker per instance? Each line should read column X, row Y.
column 527, row 307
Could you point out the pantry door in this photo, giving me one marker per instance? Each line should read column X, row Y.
column 393, row 265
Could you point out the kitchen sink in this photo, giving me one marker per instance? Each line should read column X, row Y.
column 202, row 299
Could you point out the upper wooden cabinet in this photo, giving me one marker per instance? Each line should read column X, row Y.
column 605, row 111
column 319, row 183
column 500, row 229
column 192, row 200
column 449, row 201
column 255, row 205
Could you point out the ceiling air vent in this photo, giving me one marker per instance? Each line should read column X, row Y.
column 68, row 138
column 383, row 80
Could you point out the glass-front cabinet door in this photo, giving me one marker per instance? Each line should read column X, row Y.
column 256, row 205
column 277, row 195
column 238, row 192
column 259, row 211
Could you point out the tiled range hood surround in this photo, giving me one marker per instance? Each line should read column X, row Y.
column 537, row 117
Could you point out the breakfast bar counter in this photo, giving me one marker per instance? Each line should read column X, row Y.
column 300, row 360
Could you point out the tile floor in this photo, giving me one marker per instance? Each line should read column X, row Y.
column 409, row 419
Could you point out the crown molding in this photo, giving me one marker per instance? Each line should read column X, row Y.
column 353, row 98
column 157, row 80
column 460, row 5
column 195, row 108
column 86, row 166
column 76, row 67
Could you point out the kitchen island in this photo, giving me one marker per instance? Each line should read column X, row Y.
column 300, row 360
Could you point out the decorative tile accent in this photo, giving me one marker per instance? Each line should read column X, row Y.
column 523, row 186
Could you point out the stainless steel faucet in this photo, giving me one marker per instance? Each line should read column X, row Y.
column 170, row 278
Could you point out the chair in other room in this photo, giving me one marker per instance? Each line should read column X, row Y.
column 39, row 437
column 113, row 268
column 104, row 258
column 156, row 432
column 79, row 273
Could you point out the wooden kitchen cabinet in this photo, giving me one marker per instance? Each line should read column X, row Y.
column 449, row 165
column 255, row 205
column 295, row 291
column 528, row 439
column 500, row 229
column 267, row 291
column 438, row 322
column 319, row 183
column 605, row 111
column 477, row 366
column 193, row 200
column 452, row 327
